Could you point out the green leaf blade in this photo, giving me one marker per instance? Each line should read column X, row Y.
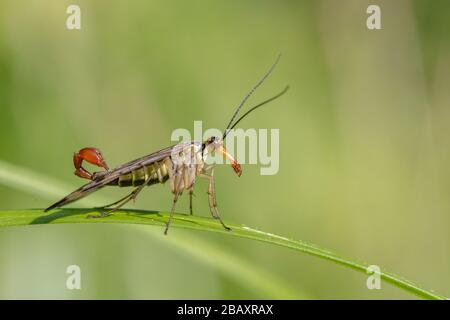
column 155, row 218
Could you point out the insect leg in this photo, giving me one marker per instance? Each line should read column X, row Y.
column 212, row 199
column 192, row 171
column 115, row 202
column 191, row 193
column 175, row 199
column 178, row 180
column 209, row 194
column 120, row 203
column 108, row 212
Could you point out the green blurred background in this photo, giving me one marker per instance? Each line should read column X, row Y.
column 364, row 147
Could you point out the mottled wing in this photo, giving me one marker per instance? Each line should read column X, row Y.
column 109, row 176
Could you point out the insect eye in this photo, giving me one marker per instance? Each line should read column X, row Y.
column 211, row 139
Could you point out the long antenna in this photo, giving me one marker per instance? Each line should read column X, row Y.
column 257, row 106
column 249, row 94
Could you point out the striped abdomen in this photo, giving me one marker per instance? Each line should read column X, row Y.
column 156, row 172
